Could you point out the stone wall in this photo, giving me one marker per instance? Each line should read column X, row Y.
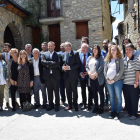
column 20, row 33
column 81, row 10
column 129, row 28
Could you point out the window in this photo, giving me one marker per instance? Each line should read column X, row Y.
column 81, row 29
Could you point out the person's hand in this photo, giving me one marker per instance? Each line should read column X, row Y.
column 66, row 67
column 31, row 84
column 82, row 75
column 108, row 81
column 15, row 83
column 135, row 85
column 85, row 73
column 112, row 81
column 12, row 82
column 54, row 62
column 96, row 74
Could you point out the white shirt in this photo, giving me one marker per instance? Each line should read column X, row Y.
column 29, row 56
column 51, row 54
column 36, row 67
column 2, row 79
column 8, row 56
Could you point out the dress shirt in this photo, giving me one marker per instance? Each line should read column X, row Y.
column 51, row 54
column 29, row 56
column 8, row 56
column 36, row 67
column 2, row 79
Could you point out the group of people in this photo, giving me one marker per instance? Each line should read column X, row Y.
column 108, row 70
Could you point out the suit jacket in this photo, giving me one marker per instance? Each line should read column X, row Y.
column 50, row 65
column 40, row 66
column 81, row 66
column 3, row 56
column 73, row 62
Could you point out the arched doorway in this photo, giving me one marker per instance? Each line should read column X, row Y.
column 13, row 36
column 8, row 37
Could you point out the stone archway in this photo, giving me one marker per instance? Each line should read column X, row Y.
column 14, row 36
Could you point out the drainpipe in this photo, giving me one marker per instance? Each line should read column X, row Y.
column 1, row 5
column 138, row 18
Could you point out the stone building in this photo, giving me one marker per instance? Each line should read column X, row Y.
column 67, row 20
column 12, row 29
column 129, row 27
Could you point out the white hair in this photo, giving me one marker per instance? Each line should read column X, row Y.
column 68, row 43
column 85, row 44
column 28, row 45
column 35, row 49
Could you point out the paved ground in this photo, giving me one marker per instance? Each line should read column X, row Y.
column 65, row 125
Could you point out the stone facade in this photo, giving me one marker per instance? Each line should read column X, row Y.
column 130, row 25
column 98, row 13
column 21, row 34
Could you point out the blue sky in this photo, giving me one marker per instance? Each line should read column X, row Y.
column 119, row 16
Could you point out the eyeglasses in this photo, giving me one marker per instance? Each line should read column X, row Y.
column 13, row 52
column 22, row 54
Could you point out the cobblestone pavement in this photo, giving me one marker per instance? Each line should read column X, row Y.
column 65, row 125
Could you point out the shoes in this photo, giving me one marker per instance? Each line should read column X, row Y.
column 17, row 105
column 49, row 108
column 56, row 109
column 117, row 116
column 112, row 115
column 76, row 108
column 36, row 106
column 44, row 106
column 95, row 110
column 7, row 105
column 89, row 108
column 81, row 103
column 1, row 109
column 133, row 118
column 124, row 109
column 126, row 115
column 68, row 108
column 61, row 102
column 83, row 107
column 92, row 104
column 100, row 111
column 13, row 109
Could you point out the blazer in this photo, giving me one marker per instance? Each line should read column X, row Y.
column 99, row 68
column 49, row 64
column 73, row 62
column 81, row 66
column 40, row 66
column 3, row 56
column 119, row 69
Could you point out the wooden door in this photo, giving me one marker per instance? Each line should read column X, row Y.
column 54, row 35
column 36, row 36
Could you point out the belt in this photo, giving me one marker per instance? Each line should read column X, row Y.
column 37, row 75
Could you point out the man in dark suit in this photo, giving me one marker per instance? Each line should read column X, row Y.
column 84, row 77
column 70, row 66
column 51, row 75
column 38, row 82
column 6, row 57
column 28, row 48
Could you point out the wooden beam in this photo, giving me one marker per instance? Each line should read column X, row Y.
column 86, row 20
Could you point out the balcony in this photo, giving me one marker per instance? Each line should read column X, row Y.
column 53, row 14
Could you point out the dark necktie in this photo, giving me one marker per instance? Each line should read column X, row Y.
column 67, row 57
column 84, row 63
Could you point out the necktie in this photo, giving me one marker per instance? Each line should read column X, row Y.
column 84, row 63
column 67, row 57
column 6, row 57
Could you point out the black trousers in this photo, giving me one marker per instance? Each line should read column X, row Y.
column 24, row 97
column 84, row 84
column 53, row 85
column 131, row 95
column 95, row 87
column 13, row 94
column 71, row 86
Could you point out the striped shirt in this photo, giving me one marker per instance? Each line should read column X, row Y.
column 130, row 68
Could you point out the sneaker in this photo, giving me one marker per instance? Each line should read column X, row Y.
column 126, row 115
column 95, row 110
column 112, row 115
column 1, row 109
column 133, row 118
column 100, row 111
column 117, row 116
column 7, row 105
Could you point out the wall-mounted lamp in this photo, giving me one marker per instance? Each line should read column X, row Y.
column 133, row 13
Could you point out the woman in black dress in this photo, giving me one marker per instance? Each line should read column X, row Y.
column 24, row 79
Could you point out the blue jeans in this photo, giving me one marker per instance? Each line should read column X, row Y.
column 115, row 88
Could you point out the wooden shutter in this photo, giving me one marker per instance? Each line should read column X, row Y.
column 81, row 29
